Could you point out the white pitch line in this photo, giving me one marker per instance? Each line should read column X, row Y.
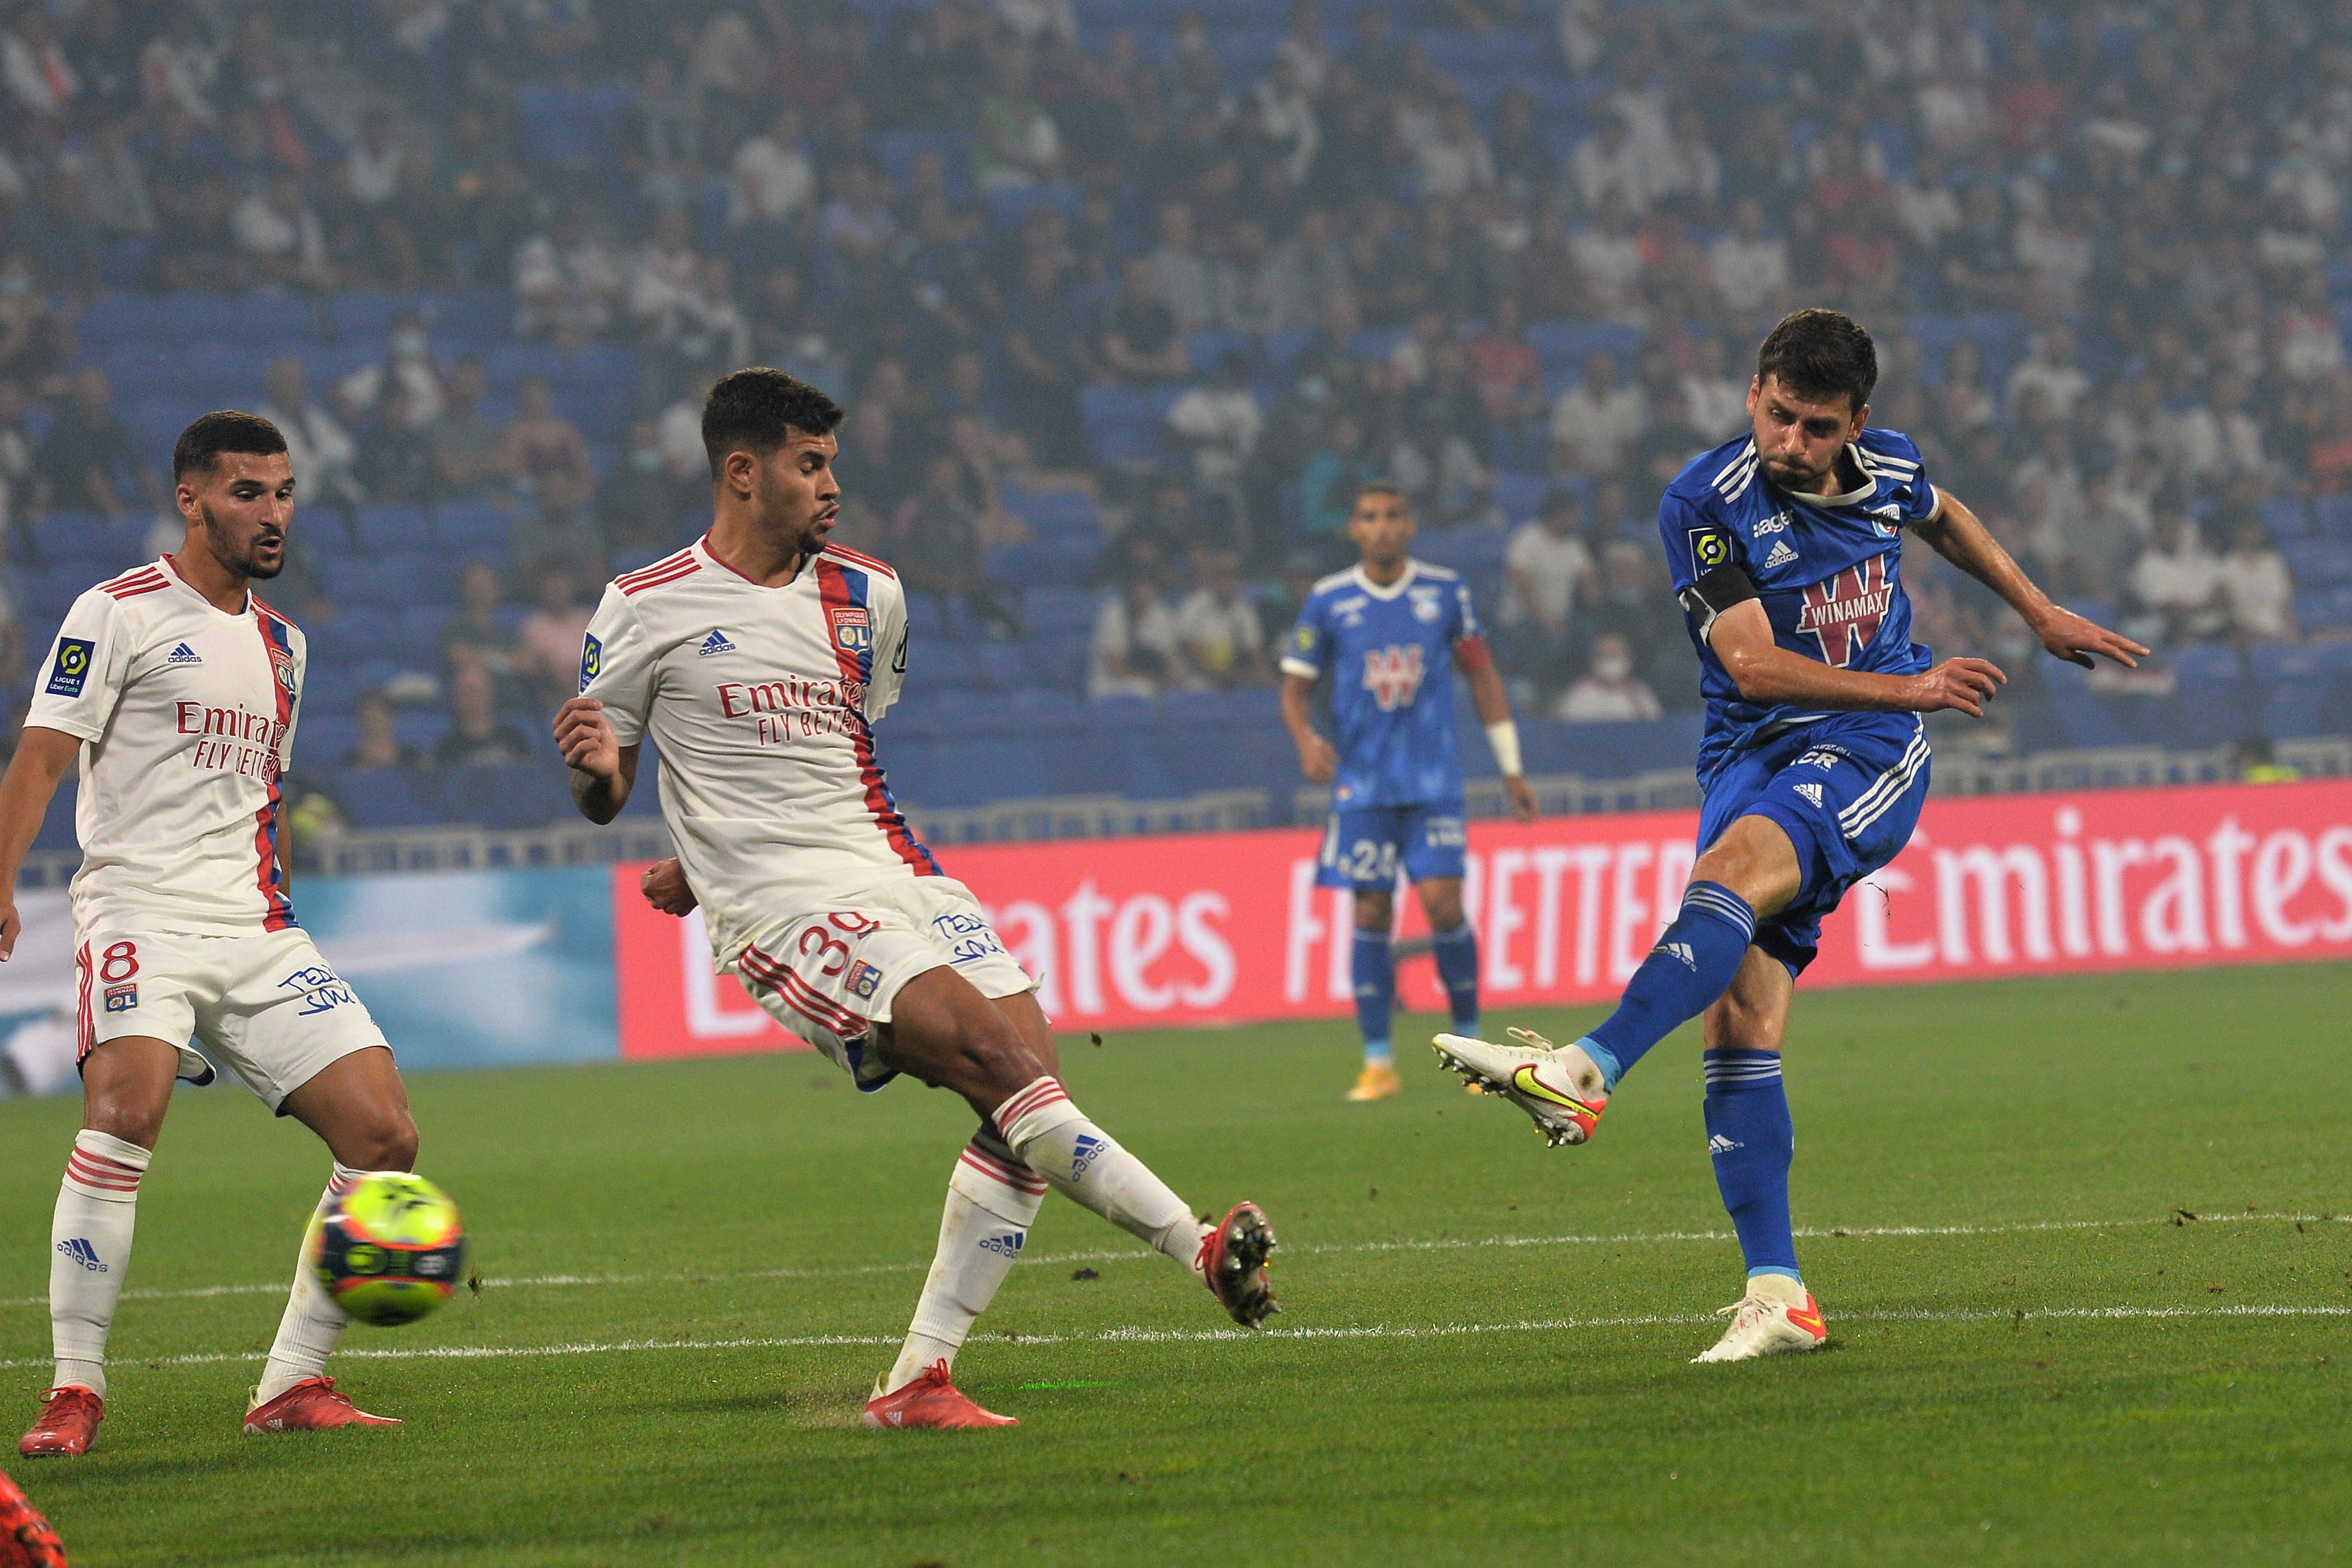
column 1436, row 1244
column 1233, row 1335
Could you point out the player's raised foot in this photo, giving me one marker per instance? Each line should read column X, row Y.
column 67, row 1424
column 931, row 1400
column 1559, row 1086
column 1776, row 1315
column 1376, row 1082
column 25, row 1537
column 1232, row 1261
column 310, row 1405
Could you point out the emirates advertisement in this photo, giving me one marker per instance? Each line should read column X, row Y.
column 1230, row 927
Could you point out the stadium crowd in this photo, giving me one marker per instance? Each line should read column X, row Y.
column 1127, row 298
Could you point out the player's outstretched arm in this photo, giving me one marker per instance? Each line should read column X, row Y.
column 1765, row 671
column 42, row 757
column 1494, row 706
column 1316, row 758
column 602, row 769
column 1959, row 536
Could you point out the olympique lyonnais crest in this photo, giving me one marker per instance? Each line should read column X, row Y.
column 281, row 663
column 1844, row 611
column 850, row 627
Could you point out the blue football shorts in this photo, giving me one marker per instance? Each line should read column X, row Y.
column 1847, row 791
column 1364, row 845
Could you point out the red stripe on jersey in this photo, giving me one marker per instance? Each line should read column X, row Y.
column 832, row 588
column 1020, row 1178
column 860, row 558
column 132, row 587
column 668, row 570
column 278, row 910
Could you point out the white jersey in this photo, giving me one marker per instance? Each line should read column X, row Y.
column 186, row 716
column 760, row 701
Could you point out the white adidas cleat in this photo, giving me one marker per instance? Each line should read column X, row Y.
column 1776, row 1315
column 1559, row 1086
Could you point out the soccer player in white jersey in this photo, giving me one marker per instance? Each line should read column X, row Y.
column 757, row 660
column 175, row 689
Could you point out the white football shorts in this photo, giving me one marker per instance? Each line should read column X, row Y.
column 265, row 1004
column 828, row 974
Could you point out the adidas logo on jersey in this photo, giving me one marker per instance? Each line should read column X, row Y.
column 184, row 655
column 716, row 642
column 1811, row 791
column 1719, row 1144
column 1679, row 950
column 1781, row 555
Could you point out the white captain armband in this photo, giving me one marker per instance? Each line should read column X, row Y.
column 1503, row 738
column 1714, row 593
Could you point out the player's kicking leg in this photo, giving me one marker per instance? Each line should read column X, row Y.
column 1751, row 872
column 1000, row 1056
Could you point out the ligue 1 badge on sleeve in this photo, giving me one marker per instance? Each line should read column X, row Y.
column 1710, row 548
column 592, row 659
column 72, row 667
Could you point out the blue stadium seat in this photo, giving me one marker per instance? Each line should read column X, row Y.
column 387, row 530
column 361, row 314
column 139, row 367
column 361, row 632
column 1112, row 714
column 1053, row 608
column 2334, row 516
column 323, row 740
column 569, row 127
column 57, row 833
column 2319, row 563
column 386, row 798
column 523, row 795
column 1128, row 424
column 1042, row 711
column 1470, row 551
column 352, row 581
column 2286, row 517
column 974, row 771
column 474, row 530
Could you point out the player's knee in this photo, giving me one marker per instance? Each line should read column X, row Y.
column 1443, row 909
column 387, row 1143
column 133, row 1117
column 1375, row 911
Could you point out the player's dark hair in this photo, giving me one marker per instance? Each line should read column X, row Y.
column 1382, row 487
column 1817, row 354
column 757, row 410
column 200, row 446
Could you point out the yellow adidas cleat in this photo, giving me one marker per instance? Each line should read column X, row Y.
column 1376, row 1082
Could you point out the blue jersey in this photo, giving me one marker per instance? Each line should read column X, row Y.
column 1827, row 569
column 1389, row 653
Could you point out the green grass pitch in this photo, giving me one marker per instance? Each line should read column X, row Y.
column 694, row 1271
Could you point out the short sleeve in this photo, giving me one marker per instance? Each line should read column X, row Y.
column 888, row 676
column 1306, row 652
column 1466, row 628
column 616, row 665
column 300, row 646
column 83, row 676
column 1695, row 544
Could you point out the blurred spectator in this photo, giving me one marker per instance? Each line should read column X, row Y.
column 1633, row 604
column 471, row 460
column 1137, row 650
column 2216, row 439
column 1714, row 398
column 1596, row 422
column 1183, row 278
column 1749, row 266
column 1017, row 143
column 378, row 744
column 2255, row 585
column 88, row 460
column 546, row 452
column 1335, row 475
column 1135, row 335
column 567, row 285
column 1046, row 360
column 33, row 62
column 548, row 644
column 1220, row 422
column 33, row 339
column 1217, row 626
column 1608, row 693
column 280, row 234
column 395, row 460
column 476, row 735
column 2050, row 372
column 1503, row 369
column 1548, row 573
column 774, row 180
column 938, row 551
column 323, row 455
column 643, row 507
column 408, row 359
column 478, row 634
column 2176, row 585
column 19, row 444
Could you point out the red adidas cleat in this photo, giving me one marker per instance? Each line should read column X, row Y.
column 1233, row 1261
column 931, row 1400
column 68, row 1425
column 310, row 1405
column 25, row 1538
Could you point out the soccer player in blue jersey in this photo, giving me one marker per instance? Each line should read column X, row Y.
column 1787, row 550
column 1385, row 631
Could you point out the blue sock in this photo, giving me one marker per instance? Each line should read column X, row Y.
column 1694, row 963
column 1457, row 965
column 1375, row 975
column 1752, row 1140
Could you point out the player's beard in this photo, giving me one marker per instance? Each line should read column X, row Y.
column 243, row 563
column 807, row 535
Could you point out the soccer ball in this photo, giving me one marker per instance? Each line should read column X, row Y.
column 389, row 1250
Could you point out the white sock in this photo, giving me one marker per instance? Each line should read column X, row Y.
column 314, row 1325
column 1079, row 1161
column 992, row 1199
column 90, row 1250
